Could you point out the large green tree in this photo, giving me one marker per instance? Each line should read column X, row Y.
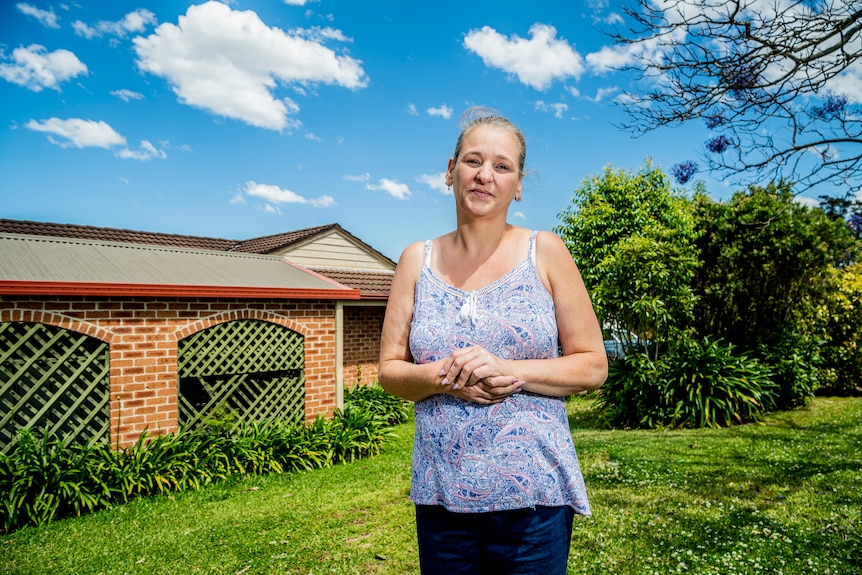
column 767, row 264
column 632, row 235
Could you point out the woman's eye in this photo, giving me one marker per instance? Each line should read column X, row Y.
column 503, row 167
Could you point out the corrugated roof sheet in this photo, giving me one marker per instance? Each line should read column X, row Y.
column 35, row 259
column 373, row 285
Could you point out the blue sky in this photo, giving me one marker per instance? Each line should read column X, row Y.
column 251, row 117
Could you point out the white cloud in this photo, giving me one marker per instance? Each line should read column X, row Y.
column 411, row 109
column 613, row 58
column 276, row 195
column 558, row 109
column 443, row 111
column 848, row 83
column 806, row 201
column 298, row 2
column 366, row 177
column 229, row 63
column 318, row 34
column 78, row 133
column 436, row 181
column 35, row 68
column 133, row 22
column 519, row 215
column 45, row 17
column 127, row 95
column 392, row 187
column 147, row 152
column 603, row 94
column 536, row 62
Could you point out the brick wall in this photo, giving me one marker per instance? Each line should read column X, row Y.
column 143, row 333
column 362, row 327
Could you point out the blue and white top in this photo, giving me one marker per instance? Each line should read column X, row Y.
column 518, row 453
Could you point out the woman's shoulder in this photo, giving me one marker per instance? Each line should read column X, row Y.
column 553, row 262
column 412, row 257
column 550, row 244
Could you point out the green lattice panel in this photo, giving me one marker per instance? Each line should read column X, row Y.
column 250, row 369
column 52, row 379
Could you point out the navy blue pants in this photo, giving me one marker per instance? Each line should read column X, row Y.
column 531, row 541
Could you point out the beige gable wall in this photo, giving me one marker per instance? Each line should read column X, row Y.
column 335, row 250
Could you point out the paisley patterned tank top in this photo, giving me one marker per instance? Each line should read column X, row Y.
column 518, row 453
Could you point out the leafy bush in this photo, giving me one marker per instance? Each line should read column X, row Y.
column 841, row 351
column 697, row 383
column 54, row 477
column 794, row 363
column 375, row 400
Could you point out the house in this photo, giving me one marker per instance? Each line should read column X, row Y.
column 105, row 333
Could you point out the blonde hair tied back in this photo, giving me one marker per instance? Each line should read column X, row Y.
column 476, row 116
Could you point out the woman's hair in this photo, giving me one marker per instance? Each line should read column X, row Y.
column 477, row 116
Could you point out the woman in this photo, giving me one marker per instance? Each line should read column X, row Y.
column 473, row 326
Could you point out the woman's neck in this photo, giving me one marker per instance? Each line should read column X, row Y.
column 479, row 240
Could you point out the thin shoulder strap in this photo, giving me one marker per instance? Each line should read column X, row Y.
column 427, row 262
column 533, row 235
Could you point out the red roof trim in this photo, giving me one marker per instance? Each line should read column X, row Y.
column 19, row 287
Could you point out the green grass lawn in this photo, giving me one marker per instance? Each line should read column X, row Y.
column 783, row 497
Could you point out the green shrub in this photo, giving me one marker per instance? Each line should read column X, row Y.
column 54, row 478
column 697, row 383
column 794, row 363
column 375, row 400
column 709, row 386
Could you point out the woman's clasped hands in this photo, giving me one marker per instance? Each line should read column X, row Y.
column 475, row 374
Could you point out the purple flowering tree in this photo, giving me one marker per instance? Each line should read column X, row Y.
column 763, row 76
column 684, row 171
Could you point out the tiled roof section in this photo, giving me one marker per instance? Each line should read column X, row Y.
column 269, row 244
column 371, row 284
column 113, row 235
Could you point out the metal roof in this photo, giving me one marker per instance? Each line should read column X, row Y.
column 371, row 284
column 38, row 265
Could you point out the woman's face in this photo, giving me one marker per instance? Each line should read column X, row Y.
column 486, row 176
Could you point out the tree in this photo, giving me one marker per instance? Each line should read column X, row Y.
column 841, row 316
column 633, row 238
column 845, row 209
column 767, row 269
column 773, row 80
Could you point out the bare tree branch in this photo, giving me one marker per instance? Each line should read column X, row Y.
column 764, row 76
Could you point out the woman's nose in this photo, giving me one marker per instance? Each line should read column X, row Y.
column 482, row 173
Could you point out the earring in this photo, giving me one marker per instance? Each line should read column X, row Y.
column 518, row 198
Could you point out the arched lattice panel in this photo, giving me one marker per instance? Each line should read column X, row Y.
column 247, row 369
column 52, row 379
